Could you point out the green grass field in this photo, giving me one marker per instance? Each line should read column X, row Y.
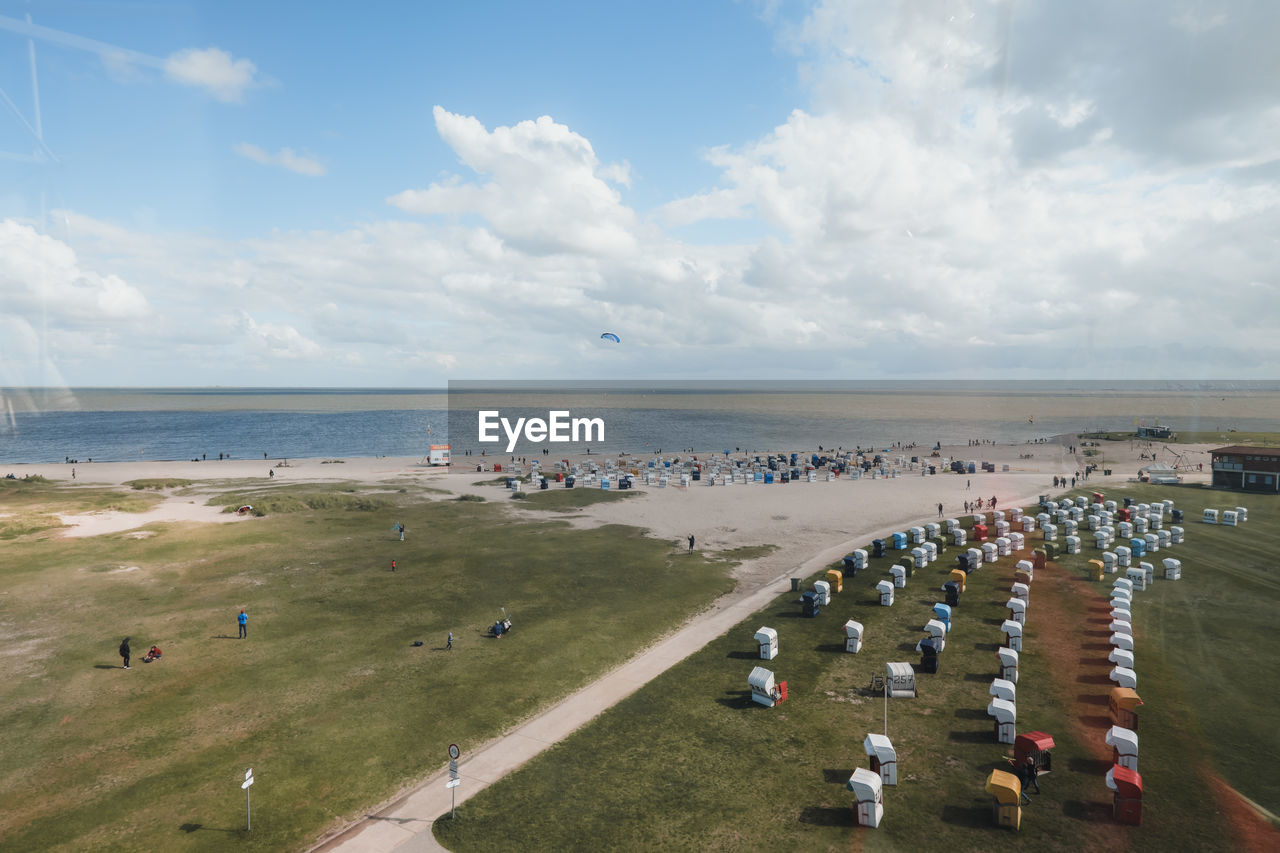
column 327, row 699
column 689, row 762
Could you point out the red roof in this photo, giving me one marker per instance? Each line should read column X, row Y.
column 1038, row 739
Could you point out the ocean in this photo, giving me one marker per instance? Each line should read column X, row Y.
column 134, row 424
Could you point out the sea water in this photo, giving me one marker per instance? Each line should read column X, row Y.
column 134, row 424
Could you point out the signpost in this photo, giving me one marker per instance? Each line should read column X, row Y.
column 248, row 814
column 454, row 781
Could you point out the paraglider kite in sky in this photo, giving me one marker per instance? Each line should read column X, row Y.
column 610, row 336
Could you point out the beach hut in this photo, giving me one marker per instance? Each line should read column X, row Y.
column 809, row 604
column 1122, row 583
column 1038, row 746
column 958, row 577
column 877, row 547
column 1006, row 796
column 1124, row 677
column 1164, row 538
column 1126, row 805
column 1125, row 529
column 1005, row 714
column 1022, row 591
column 1003, row 546
column 868, row 797
column 951, row 524
column 1151, row 542
column 1002, row 689
column 853, row 636
column 1017, row 542
column 899, row 574
column 1094, row 521
column 1050, row 532
column 919, row 558
column 899, row 541
column 1176, row 535
column 1122, row 641
column 1148, row 573
column 1109, row 561
column 1008, row 663
column 1172, row 569
column 1096, row 570
column 1012, row 634
column 974, row 558
column 1210, row 516
column 916, row 534
column 935, row 630
column 767, row 638
column 1123, row 705
column 835, row 578
column 883, row 758
column 1039, row 557
column 1124, row 746
column 932, row 530
column 822, row 590
column 959, row 536
column 930, row 551
column 990, row 552
column 1242, row 514
column 942, row 612
column 885, row 588
column 1229, row 518
column 1017, row 610
column 1121, row 657
column 1121, row 599
column 763, row 688
column 1073, row 544
column 1015, row 514
column 1138, row 576
column 1070, row 528
column 1101, row 540
column 900, row 680
column 856, row 561
column 952, row 590
column 1124, row 555
column 979, row 532
column 1028, row 523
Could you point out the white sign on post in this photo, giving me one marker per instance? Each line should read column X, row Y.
column 248, row 814
column 454, row 781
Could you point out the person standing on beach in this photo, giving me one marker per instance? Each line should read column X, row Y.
column 690, row 543
column 124, row 652
column 939, row 510
column 243, row 621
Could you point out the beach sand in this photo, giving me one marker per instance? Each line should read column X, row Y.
column 799, row 519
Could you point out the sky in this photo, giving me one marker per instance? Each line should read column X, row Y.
column 403, row 194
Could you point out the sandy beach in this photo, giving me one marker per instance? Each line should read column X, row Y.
column 798, row 519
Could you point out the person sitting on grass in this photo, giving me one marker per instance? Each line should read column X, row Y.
column 152, row 654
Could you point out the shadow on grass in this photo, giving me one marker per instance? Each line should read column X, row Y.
column 743, row 655
column 1091, row 699
column 979, row 676
column 223, row 637
column 906, row 647
column 836, row 777
column 737, row 699
column 1097, row 633
column 1096, row 647
column 984, row 736
column 106, row 666
column 971, row 816
column 1100, row 678
column 1092, row 812
column 1096, row 721
column 196, row 827
column 987, row 620
column 789, row 614
column 829, row 647
column 986, row 647
column 1089, row 766
column 970, row 714
column 1100, row 620
column 828, row 815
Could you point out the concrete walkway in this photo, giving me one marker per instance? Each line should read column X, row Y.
column 405, row 825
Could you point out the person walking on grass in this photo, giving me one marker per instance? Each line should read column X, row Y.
column 448, row 646
column 690, row 543
column 243, row 621
column 400, row 528
column 124, row 652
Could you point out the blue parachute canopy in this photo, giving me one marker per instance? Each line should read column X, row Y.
column 610, row 336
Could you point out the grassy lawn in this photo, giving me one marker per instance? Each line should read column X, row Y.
column 567, row 500
column 31, row 506
column 327, row 699
column 690, row 762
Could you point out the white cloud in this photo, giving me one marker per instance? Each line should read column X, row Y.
column 285, row 158
column 543, row 187
column 213, row 70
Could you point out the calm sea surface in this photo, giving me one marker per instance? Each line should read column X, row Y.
column 125, row 424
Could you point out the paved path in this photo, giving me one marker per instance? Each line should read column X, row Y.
column 405, row 825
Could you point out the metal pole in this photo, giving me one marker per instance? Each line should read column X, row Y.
column 248, row 813
column 886, row 707
column 453, row 800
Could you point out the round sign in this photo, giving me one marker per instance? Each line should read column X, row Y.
column 454, row 752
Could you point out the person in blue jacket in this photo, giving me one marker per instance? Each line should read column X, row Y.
column 243, row 619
